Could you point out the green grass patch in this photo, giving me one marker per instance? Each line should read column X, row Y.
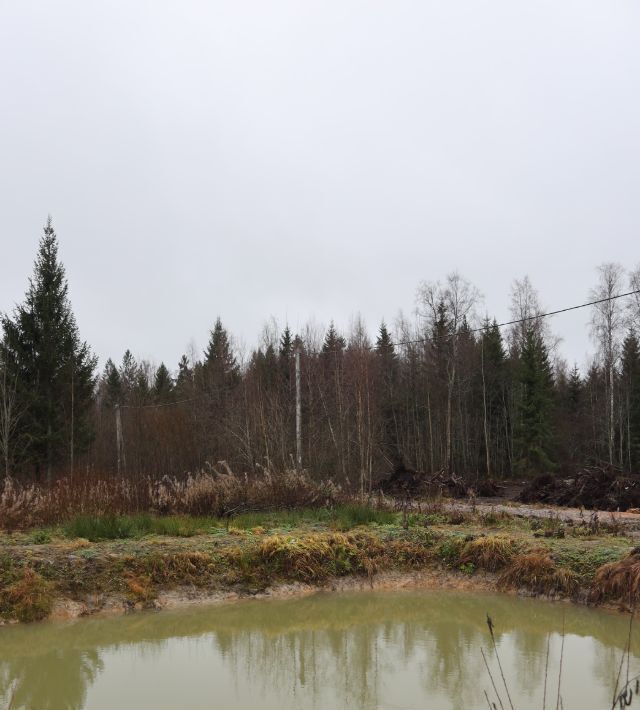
column 120, row 527
column 344, row 517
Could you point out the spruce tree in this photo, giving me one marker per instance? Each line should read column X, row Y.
column 533, row 437
column 286, row 345
column 54, row 369
column 163, row 384
column 494, row 383
column 112, row 384
column 128, row 374
column 184, row 380
column 387, row 361
column 222, row 371
column 631, row 396
column 334, row 343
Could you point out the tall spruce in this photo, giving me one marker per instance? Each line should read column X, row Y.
column 111, row 384
column 631, row 394
column 533, row 436
column 54, row 369
column 222, row 371
column 163, row 385
column 494, row 385
column 387, row 370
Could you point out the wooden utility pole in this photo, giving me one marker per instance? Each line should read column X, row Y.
column 298, row 411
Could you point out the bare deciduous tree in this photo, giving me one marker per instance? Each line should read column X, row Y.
column 458, row 299
column 607, row 324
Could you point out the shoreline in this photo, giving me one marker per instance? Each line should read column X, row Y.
column 429, row 579
column 67, row 578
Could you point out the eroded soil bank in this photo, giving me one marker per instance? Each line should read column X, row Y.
column 575, row 557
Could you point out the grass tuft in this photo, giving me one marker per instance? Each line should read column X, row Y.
column 537, row 572
column 618, row 581
column 492, row 552
column 29, row 598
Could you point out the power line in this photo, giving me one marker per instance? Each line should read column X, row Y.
column 506, row 323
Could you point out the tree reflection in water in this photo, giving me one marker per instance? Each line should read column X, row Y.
column 361, row 650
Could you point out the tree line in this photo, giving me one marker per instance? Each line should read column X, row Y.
column 448, row 391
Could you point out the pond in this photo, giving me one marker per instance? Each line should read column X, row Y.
column 395, row 650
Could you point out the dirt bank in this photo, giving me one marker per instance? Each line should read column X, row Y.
column 45, row 573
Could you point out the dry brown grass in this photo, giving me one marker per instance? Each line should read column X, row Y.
column 315, row 558
column 216, row 493
column 140, row 588
column 537, row 572
column 618, row 581
column 491, row 552
column 30, row 598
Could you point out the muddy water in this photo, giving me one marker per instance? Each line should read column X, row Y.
column 395, row 650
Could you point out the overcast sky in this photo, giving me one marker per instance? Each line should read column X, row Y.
column 314, row 159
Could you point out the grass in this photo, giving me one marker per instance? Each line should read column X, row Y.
column 118, row 527
column 29, row 598
column 537, row 572
column 491, row 552
column 619, row 581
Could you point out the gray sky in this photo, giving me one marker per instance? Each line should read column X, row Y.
column 314, row 159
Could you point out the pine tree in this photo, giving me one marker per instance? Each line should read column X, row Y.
column 533, row 439
column 631, row 395
column 54, row 368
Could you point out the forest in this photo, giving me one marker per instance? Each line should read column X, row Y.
column 449, row 389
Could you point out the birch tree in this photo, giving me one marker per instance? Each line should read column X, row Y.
column 607, row 325
column 457, row 299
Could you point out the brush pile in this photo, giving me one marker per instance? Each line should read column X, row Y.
column 596, row 488
column 405, row 481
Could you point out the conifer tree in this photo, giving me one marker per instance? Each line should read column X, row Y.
column 112, row 384
column 631, row 394
column 53, row 367
column 494, row 383
column 184, row 381
column 334, row 343
column 286, row 345
column 163, row 384
column 128, row 374
column 388, row 376
column 533, row 438
column 222, row 371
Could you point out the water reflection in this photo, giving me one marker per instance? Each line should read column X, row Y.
column 364, row 650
